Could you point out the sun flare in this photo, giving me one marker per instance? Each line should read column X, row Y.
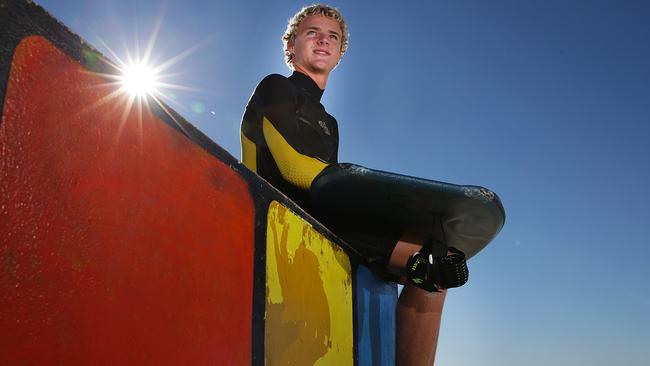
column 140, row 80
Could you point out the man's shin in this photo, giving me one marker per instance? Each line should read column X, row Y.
column 418, row 324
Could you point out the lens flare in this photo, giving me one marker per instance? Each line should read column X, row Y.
column 140, row 80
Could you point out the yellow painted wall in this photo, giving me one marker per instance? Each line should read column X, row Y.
column 308, row 318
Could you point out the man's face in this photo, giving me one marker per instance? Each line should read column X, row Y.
column 317, row 47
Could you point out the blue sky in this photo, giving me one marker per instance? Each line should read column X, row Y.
column 545, row 102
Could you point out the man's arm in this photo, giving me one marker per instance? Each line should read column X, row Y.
column 296, row 168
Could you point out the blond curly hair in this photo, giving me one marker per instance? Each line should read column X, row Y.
column 316, row 9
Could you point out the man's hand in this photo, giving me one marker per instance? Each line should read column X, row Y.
column 435, row 273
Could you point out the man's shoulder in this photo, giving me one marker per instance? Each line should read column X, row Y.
column 275, row 81
column 275, row 88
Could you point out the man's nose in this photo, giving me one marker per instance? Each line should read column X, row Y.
column 322, row 39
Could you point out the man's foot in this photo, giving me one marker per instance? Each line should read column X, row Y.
column 435, row 273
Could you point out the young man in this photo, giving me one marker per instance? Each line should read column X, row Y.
column 288, row 138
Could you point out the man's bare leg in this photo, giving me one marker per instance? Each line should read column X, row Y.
column 418, row 314
column 418, row 325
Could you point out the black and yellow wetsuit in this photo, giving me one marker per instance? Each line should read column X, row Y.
column 287, row 136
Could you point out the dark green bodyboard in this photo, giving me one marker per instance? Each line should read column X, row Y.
column 470, row 215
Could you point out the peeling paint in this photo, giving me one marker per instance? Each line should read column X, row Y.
column 309, row 297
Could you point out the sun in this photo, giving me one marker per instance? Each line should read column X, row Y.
column 139, row 80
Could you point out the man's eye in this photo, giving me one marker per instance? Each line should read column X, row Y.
column 311, row 33
column 334, row 37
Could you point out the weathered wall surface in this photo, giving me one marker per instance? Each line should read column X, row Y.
column 130, row 237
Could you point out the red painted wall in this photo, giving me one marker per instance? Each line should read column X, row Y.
column 121, row 240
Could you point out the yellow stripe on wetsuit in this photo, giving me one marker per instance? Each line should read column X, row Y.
column 297, row 169
column 249, row 153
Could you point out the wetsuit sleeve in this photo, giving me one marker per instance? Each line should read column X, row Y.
column 278, row 104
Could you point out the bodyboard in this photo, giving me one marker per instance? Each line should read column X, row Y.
column 384, row 202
